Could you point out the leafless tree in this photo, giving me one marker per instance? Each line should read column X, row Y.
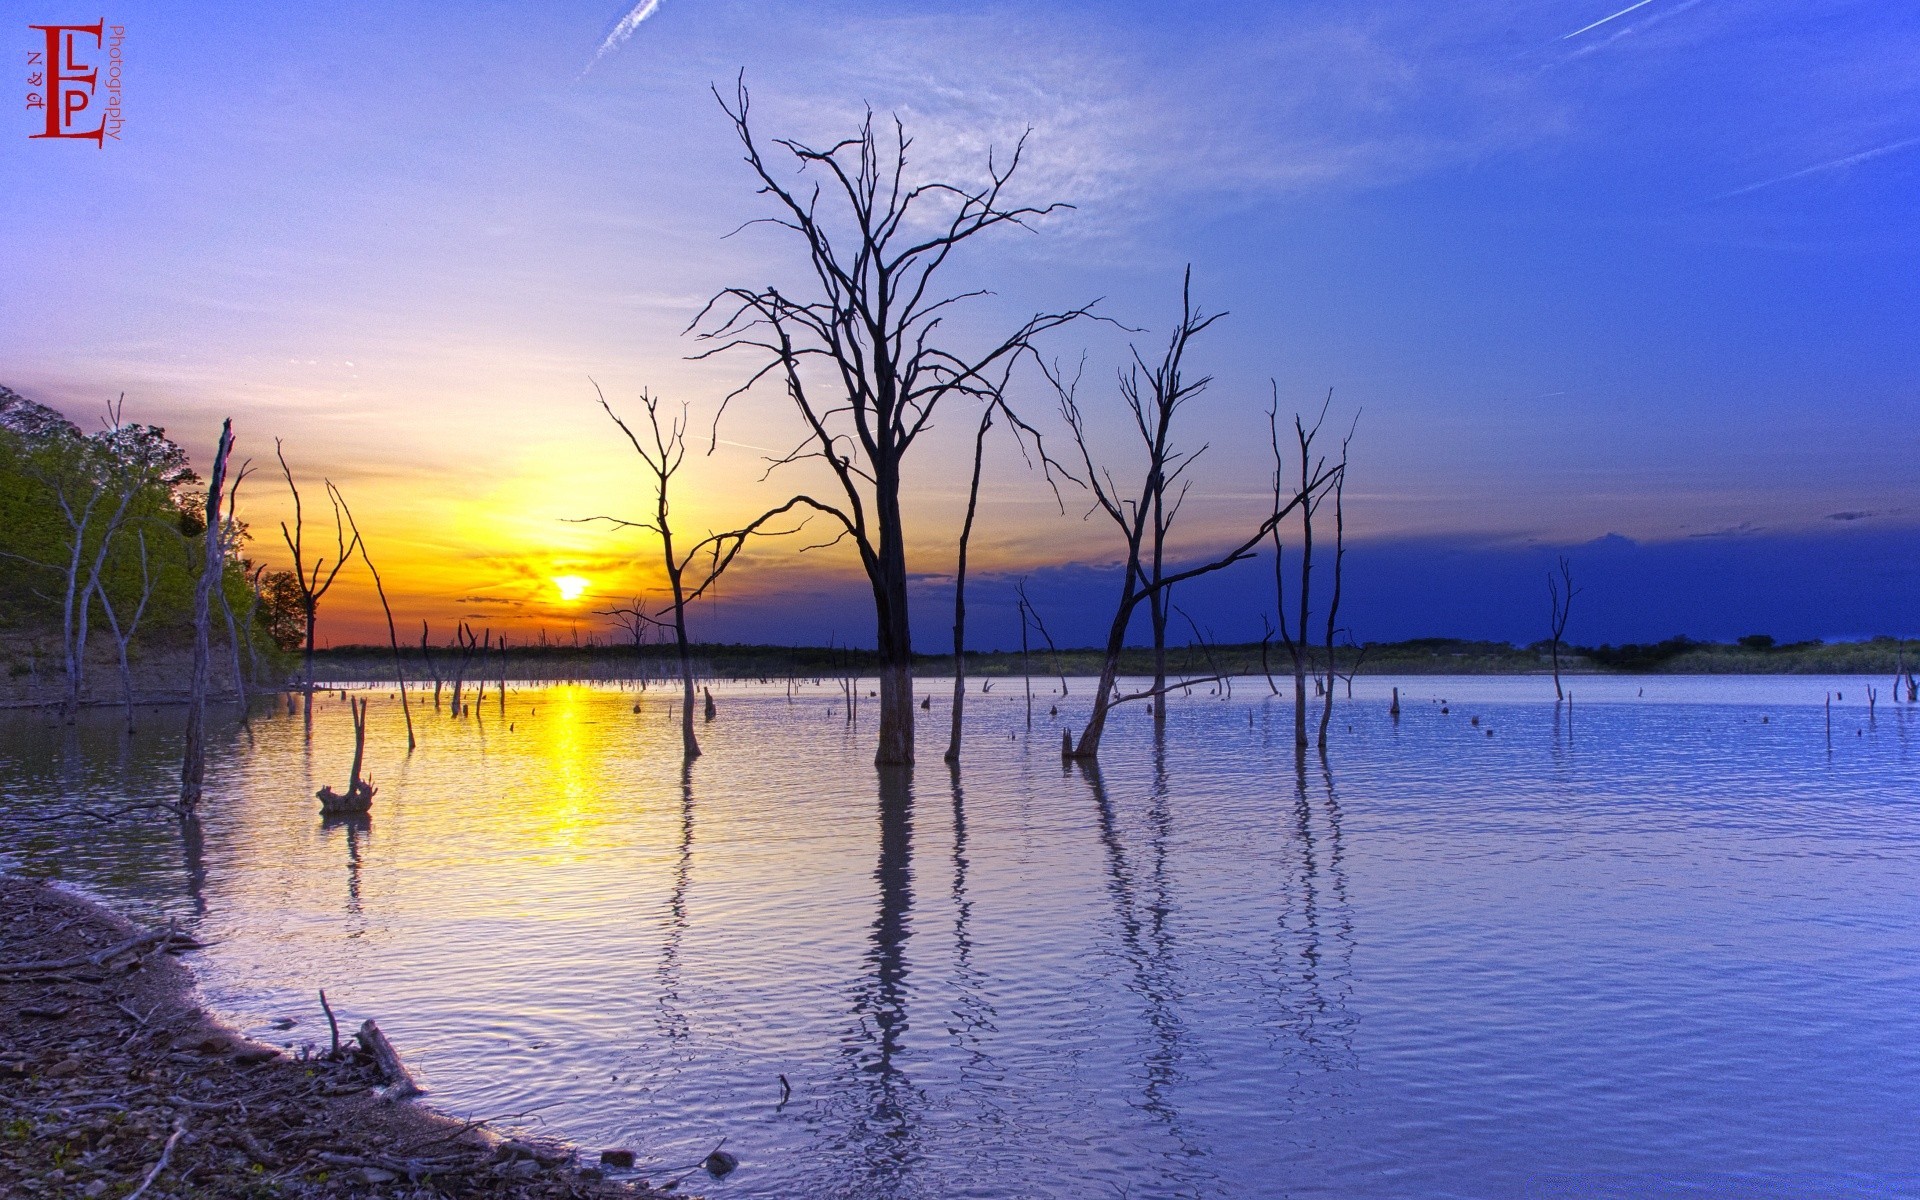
column 231, row 533
column 311, row 583
column 123, row 635
column 1339, row 488
column 1154, row 397
column 1560, row 594
column 663, row 451
column 1039, row 623
column 1332, row 482
column 1023, row 432
column 864, row 360
column 426, row 657
column 193, row 767
column 379, row 588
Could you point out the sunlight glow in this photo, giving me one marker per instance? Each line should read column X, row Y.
column 571, row 586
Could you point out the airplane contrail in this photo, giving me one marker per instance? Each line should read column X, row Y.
column 625, row 28
column 1603, row 20
column 1835, row 165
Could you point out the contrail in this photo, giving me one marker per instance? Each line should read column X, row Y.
column 1584, row 28
column 631, row 22
column 1835, row 165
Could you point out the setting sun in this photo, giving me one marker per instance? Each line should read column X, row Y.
column 571, row 586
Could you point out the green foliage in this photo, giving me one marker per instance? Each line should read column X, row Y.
column 53, row 480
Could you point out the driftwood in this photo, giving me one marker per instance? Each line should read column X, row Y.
column 359, row 794
column 399, row 1079
column 97, row 958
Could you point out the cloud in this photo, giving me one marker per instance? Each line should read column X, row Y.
column 1821, row 168
column 1603, row 20
column 1851, row 515
column 1743, row 529
column 624, row 30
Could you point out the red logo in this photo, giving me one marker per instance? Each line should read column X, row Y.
column 67, row 88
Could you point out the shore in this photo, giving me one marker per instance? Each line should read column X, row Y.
column 114, row 1084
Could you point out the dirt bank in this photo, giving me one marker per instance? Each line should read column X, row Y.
column 111, row 1079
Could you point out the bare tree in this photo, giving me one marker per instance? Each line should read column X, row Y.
column 1560, row 594
column 193, row 765
column 871, row 331
column 312, row 585
column 1297, row 648
column 231, row 535
column 122, row 636
column 1033, row 613
column 393, row 634
column 426, row 656
column 1154, row 397
column 960, row 590
column 1022, row 432
column 664, row 450
column 1339, row 488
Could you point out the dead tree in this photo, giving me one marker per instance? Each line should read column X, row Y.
column 876, row 244
column 1338, row 486
column 193, row 766
column 230, row 536
column 123, row 635
column 426, row 656
column 1560, row 594
column 467, row 642
column 393, row 635
column 1298, row 648
column 1039, row 623
column 358, row 797
column 311, row 584
column 663, row 451
column 960, row 589
column 1022, row 432
column 1153, row 410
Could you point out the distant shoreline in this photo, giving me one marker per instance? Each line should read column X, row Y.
column 1427, row 656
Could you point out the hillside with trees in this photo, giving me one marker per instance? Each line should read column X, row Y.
column 102, row 537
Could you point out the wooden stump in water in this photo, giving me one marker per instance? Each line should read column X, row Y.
column 358, row 797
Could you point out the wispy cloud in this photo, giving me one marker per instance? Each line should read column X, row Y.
column 1603, row 20
column 1821, row 168
column 624, row 30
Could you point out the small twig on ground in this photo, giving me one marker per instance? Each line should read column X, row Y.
column 166, row 1154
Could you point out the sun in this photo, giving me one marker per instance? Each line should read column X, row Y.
column 571, row 586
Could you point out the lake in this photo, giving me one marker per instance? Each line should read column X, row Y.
column 1668, row 945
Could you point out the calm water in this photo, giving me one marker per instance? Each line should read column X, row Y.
column 1671, row 951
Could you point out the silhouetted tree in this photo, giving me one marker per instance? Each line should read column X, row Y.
column 308, row 580
column 876, row 244
column 1154, row 397
column 1560, row 594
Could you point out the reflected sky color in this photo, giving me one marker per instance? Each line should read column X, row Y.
column 1661, row 945
column 1649, row 273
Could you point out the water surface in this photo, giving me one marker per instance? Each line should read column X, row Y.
column 1666, row 946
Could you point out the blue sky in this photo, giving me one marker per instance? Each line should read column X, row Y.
column 1653, row 276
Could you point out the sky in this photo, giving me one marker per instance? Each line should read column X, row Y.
column 1633, row 284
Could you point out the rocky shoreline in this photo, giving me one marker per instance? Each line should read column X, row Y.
column 114, row 1085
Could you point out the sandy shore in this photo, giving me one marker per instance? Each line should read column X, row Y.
column 113, row 1080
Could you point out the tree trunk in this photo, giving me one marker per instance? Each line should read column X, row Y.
column 1089, row 747
column 193, row 764
column 960, row 595
column 889, row 571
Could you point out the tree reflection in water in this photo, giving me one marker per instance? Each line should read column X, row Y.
column 877, row 1138
column 1148, row 948
column 673, row 1018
